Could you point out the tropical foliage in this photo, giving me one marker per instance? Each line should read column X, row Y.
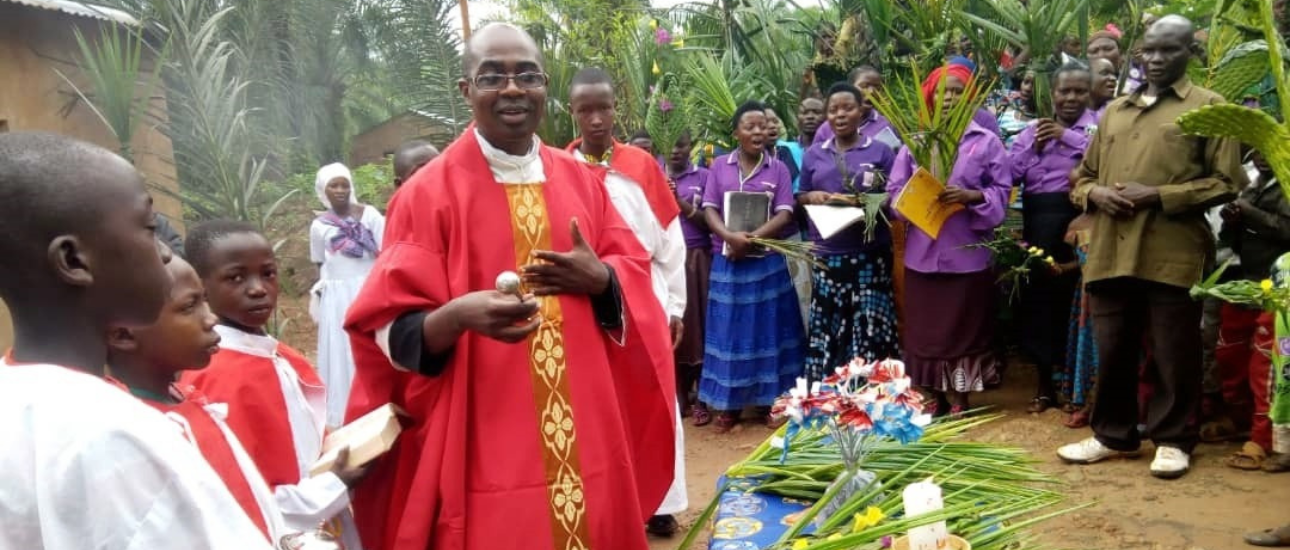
column 259, row 90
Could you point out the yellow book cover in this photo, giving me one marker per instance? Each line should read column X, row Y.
column 918, row 203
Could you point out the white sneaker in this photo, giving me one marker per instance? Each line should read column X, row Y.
column 1091, row 450
column 1170, row 463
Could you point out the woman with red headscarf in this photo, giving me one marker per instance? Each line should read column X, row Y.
column 949, row 287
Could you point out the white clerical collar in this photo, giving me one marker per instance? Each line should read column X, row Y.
column 508, row 168
column 260, row 345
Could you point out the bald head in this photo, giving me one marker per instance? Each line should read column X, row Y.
column 491, row 33
column 1167, row 47
column 1173, row 24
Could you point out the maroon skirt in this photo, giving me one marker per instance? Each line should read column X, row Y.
column 949, row 330
column 698, row 262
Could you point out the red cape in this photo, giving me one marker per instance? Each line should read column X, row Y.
column 218, row 452
column 646, row 172
column 257, row 411
column 473, row 468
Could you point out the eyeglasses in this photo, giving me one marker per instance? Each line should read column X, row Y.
column 493, row 82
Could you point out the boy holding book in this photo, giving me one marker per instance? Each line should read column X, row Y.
column 277, row 406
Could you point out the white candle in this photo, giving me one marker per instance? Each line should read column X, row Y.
column 921, row 498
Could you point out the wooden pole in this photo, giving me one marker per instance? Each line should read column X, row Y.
column 465, row 20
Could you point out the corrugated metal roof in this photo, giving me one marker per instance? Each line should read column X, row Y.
column 81, row 9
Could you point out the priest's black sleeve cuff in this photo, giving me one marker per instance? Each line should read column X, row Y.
column 608, row 305
column 407, row 346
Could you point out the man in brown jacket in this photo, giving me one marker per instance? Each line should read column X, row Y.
column 1147, row 186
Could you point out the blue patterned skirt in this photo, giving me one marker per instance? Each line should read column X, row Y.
column 853, row 313
column 753, row 333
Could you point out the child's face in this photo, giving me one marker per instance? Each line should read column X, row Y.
column 129, row 280
column 183, row 338
column 242, row 284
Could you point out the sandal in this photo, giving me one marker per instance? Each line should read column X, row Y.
column 699, row 412
column 956, row 410
column 1077, row 420
column 725, row 422
column 1277, row 463
column 1040, row 404
column 1070, row 408
column 1272, row 538
column 1250, row 458
column 662, row 526
column 1220, row 431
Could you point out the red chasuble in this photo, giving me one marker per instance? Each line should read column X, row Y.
column 638, row 165
column 564, row 441
column 216, row 449
column 257, row 410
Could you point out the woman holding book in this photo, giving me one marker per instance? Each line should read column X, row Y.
column 753, row 338
column 949, row 286
column 853, row 313
column 1042, row 158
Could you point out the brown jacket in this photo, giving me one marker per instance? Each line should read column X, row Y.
column 1138, row 143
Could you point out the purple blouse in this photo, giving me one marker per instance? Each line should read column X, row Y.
column 689, row 187
column 1049, row 171
column 982, row 165
column 868, row 162
column 870, row 128
column 770, row 177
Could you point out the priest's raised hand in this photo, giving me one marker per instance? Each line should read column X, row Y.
column 578, row 271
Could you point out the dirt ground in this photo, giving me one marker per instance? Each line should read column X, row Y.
column 1208, row 509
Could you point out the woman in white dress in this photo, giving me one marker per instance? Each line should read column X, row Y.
column 343, row 241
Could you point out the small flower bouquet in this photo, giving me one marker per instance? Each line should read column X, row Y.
column 860, row 405
column 1015, row 260
column 1263, row 294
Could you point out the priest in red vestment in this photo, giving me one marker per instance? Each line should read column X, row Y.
column 540, row 419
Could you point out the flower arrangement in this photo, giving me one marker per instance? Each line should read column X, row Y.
column 859, row 402
column 1015, row 259
column 860, row 405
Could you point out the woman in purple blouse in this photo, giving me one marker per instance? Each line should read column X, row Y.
column 950, row 294
column 688, row 182
column 853, row 313
column 753, row 333
column 1042, row 158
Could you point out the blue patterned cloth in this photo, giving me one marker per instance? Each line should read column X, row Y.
column 853, row 313
column 747, row 520
column 1075, row 381
column 753, row 333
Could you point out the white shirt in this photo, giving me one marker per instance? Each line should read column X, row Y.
column 666, row 247
column 85, row 465
column 312, row 500
column 260, row 489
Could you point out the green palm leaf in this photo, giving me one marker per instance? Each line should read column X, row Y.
column 1251, row 126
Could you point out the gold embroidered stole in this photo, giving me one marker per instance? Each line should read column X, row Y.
column 531, row 228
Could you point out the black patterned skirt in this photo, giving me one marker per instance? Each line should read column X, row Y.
column 853, row 312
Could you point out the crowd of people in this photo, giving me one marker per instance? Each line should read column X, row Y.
column 546, row 318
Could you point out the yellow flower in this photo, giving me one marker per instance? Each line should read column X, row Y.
column 680, row 42
column 800, row 544
column 1266, row 285
column 653, row 24
column 834, row 536
column 1050, row 260
column 872, row 515
column 657, row 71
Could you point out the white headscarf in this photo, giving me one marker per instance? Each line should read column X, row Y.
column 331, row 172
